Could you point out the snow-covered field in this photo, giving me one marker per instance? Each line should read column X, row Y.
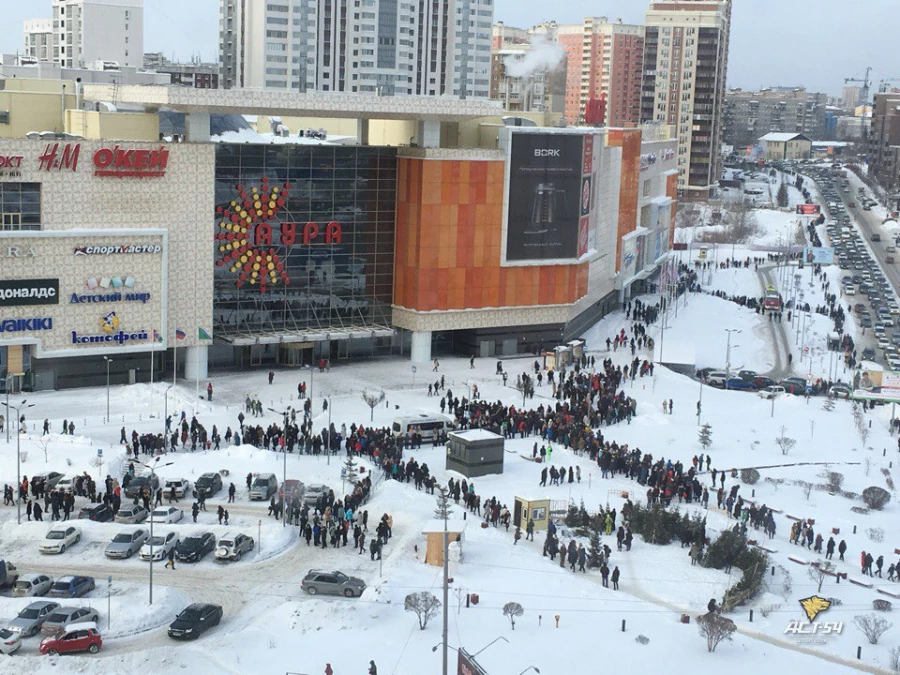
column 571, row 623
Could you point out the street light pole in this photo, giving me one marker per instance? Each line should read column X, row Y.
column 18, row 410
column 108, row 361
column 284, row 457
column 728, row 350
column 152, row 468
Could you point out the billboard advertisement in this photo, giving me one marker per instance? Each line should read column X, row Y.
column 877, row 385
column 466, row 665
column 808, row 209
column 548, row 198
column 814, row 255
column 628, row 266
column 84, row 291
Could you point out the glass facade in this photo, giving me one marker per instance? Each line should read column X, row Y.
column 20, row 206
column 304, row 238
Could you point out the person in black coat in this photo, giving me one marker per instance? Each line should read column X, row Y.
column 615, row 578
column 171, row 562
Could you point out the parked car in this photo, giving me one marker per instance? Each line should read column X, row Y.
column 195, row 547
column 51, row 478
column 63, row 617
column 264, row 486
column 868, row 353
column 82, row 637
column 208, row 485
column 182, row 487
column 10, row 641
column 72, row 587
column 8, row 574
column 66, row 483
column 132, row 514
column 839, row 390
column 29, row 620
column 59, row 538
column 32, row 584
column 761, row 381
column 793, row 387
column 126, row 544
column 332, row 583
column 313, row 492
column 166, row 514
column 160, row 545
column 716, row 378
column 233, row 546
column 293, row 488
column 100, row 513
column 748, row 375
column 772, row 391
column 194, row 620
column 738, row 383
column 138, row 483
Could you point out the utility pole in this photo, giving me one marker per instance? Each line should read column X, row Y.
column 446, row 592
column 728, row 350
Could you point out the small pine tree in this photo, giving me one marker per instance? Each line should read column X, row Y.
column 782, row 197
column 442, row 503
column 572, row 518
column 584, row 518
column 595, row 549
column 350, row 471
column 706, row 435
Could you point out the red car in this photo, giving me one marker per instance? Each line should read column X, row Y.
column 79, row 637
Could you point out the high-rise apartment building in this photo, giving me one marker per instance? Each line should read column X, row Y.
column 39, row 39
column 540, row 87
column 391, row 47
column 88, row 31
column 883, row 148
column 851, row 96
column 749, row 115
column 685, row 62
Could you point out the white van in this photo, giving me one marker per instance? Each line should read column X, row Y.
column 428, row 425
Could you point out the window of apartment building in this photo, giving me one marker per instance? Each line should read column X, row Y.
column 686, row 96
column 276, row 34
column 667, row 30
column 277, row 8
column 274, row 58
column 277, row 20
column 275, row 47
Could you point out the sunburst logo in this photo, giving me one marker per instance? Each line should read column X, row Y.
column 244, row 235
column 814, row 605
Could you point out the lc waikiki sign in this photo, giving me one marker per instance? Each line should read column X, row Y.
column 115, row 161
column 245, row 236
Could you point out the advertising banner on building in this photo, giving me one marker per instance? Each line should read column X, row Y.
column 628, row 266
column 815, row 255
column 100, row 291
column 877, row 385
column 466, row 665
column 21, row 292
column 548, row 197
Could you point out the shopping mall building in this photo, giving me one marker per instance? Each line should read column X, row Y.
column 124, row 255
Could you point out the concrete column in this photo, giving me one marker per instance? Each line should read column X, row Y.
column 196, row 358
column 429, row 134
column 362, row 131
column 196, row 127
column 420, row 348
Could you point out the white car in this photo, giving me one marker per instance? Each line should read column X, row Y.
column 771, row 392
column 60, row 538
column 166, row 514
column 182, row 487
column 32, row 584
column 883, row 342
column 10, row 641
column 160, row 544
column 66, row 483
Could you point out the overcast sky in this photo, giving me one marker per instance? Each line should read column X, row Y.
column 815, row 43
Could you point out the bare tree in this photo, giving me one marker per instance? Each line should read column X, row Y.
column 786, row 444
column 424, row 604
column 715, row 628
column 442, row 503
column 44, row 444
column 818, row 573
column 372, row 400
column 872, row 626
column 743, row 219
column 513, row 610
column 895, row 659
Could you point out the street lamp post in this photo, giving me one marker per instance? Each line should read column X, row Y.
column 728, row 350
column 284, row 454
column 166, row 417
column 152, row 467
column 18, row 408
column 9, row 376
column 108, row 361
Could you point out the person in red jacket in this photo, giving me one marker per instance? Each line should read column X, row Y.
column 328, row 669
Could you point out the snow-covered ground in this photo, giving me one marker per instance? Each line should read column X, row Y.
column 571, row 624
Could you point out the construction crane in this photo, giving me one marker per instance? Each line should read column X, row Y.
column 864, row 93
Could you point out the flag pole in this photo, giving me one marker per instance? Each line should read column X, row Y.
column 198, row 363
column 175, row 358
column 152, row 350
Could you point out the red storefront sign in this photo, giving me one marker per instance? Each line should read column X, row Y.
column 11, row 162
column 115, row 161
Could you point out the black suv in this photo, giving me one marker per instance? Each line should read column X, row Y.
column 208, row 485
column 194, row 547
column 194, row 620
column 100, row 513
column 138, row 483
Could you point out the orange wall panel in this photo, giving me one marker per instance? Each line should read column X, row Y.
column 448, row 243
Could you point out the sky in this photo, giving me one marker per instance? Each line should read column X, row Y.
column 812, row 43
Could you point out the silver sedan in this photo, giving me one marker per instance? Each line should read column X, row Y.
column 126, row 544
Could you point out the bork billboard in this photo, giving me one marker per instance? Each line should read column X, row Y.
column 549, row 196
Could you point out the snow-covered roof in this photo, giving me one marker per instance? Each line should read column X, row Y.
column 476, row 435
column 780, row 137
